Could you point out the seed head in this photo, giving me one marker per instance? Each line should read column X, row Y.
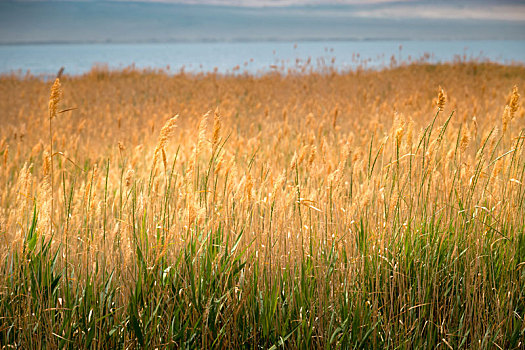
column 129, row 176
column 216, row 128
column 165, row 134
column 203, row 125
column 514, row 100
column 46, row 163
column 54, row 98
column 506, row 118
column 164, row 160
column 464, row 142
column 442, row 98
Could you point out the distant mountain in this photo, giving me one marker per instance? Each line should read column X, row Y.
column 124, row 21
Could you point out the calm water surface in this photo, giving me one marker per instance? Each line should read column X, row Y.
column 250, row 57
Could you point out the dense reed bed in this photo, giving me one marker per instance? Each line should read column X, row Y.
column 370, row 209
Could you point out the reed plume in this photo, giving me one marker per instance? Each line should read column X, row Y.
column 54, row 100
column 216, row 129
column 165, row 133
column 442, row 98
column 514, row 102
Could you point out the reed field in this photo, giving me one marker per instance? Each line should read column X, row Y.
column 368, row 209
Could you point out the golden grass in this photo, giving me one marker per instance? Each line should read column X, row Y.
column 300, row 164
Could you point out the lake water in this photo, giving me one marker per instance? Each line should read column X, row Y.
column 250, row 57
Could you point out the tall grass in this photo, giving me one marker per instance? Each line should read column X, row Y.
column 356, row 210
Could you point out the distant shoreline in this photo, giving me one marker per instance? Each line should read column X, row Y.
column 103, row 70
column 241, row 41
column 252, row 57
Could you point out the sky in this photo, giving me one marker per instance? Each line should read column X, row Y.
column 51, row 21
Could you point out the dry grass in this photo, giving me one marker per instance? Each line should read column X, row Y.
column 375, row 209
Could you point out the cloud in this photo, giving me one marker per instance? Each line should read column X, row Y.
column 272, row 3
column 151, row 21
column 484, row 12
column 504, row 10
